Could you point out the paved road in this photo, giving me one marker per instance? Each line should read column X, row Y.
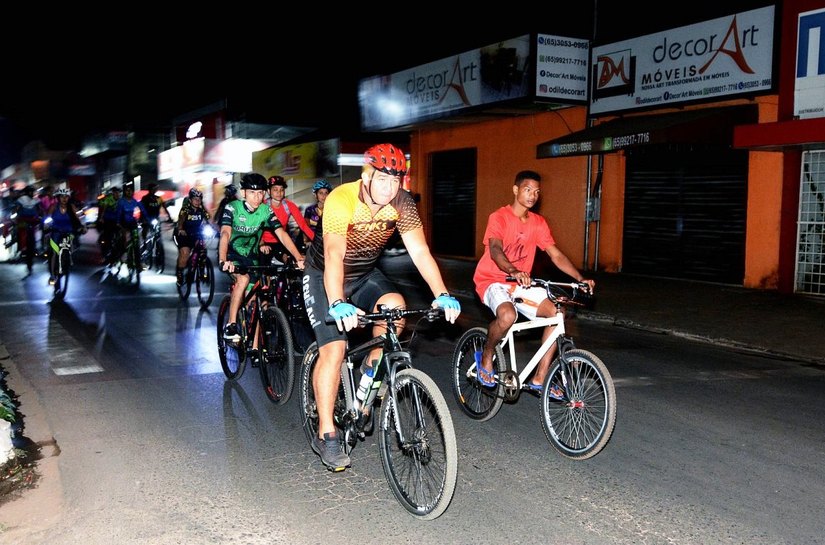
column 155, row 446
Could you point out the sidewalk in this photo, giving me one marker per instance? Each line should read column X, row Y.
column 791, row 326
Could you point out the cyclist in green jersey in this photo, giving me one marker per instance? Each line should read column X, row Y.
column 242, row 225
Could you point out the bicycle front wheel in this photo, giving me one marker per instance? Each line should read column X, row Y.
column 479, row 402
column 277, row 357
column 61, row 279
column 134, row 264
column 205, row 282
column 186, row 285
column 159, row 257
column 580, row 425
column 232, row 355
column 418, row 445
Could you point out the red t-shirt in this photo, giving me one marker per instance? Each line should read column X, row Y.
column 519, row 240
column 283, row 212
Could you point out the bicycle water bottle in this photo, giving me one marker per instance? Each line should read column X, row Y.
column 374, row 384
column 364, row 386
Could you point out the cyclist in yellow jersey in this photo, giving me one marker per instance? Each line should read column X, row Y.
column 341, row 281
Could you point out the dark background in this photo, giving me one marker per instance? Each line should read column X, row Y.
column 66, row 74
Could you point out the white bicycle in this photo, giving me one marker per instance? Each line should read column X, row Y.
column 579, row 421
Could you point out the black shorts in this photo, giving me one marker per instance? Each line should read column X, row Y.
column 363, row 293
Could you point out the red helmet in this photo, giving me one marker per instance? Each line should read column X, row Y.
column 386, row 158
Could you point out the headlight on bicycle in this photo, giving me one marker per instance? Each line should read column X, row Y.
column 207, row 231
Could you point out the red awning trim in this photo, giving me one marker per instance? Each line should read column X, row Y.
column 803, row 133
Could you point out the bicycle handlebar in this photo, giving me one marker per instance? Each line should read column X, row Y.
column 561, row 296
column 268, row 270
column 386, row 314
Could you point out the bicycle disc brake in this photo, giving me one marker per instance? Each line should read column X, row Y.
column 512, row 388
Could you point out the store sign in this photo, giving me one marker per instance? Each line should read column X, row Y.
column 721, row 58
column 809, row 85
column 494, row 73
column 561, row 68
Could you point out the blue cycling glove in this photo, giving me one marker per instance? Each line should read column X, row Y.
column 450, row 305
column 341, row 310
column 447, row 302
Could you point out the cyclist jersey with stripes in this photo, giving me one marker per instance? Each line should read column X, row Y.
column 247, row 227
column 346, row 214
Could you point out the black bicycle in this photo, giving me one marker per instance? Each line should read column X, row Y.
column 259, row 317
column 416, row 437
column 199, row 271
column 130, row 257
column 152, row 253
column 289, row 296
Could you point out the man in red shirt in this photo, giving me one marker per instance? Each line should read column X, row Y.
column 513, row 233
column 284, row 209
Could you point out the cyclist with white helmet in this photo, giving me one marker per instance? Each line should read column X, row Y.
column 313, row 213
column 341, row 279
column 188, row 230
column 62, row 220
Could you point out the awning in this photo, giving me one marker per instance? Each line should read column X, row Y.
column 796, row 133
column 708, row 125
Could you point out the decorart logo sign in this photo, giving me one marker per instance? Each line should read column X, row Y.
column 726, row 56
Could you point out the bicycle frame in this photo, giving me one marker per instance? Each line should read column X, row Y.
column 509, row 342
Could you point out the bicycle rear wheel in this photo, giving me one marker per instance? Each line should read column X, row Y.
column 580, row 425
column 205, row 282
column 418, row 445
column 277, row 357
column 308, row 409
column 479, row 402
column 232, row 355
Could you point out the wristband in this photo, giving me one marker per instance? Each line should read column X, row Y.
column 336, row 303
column 445, row 294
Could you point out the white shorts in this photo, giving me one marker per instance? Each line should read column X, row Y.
column 531, row 298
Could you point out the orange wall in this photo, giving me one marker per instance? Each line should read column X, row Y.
column 508, row 145
column 505, row 147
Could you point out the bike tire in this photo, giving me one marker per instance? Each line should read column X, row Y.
column 61, row 279
column 277, row 356
column 308, row 409
column 580, row 426
column 421, row 471
column 159, row 257
column 205, row 282
column 233, row 358
column 185, row 287
column 134, row 264
column 477, row 401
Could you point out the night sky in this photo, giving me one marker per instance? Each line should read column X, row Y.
column 64, row 80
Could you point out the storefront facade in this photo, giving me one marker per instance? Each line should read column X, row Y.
column 653, row 181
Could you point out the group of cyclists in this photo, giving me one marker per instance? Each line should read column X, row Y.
column 55, row 213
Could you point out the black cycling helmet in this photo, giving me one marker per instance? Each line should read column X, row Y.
column 321, row 184
column 253, row 180
column 195, row 194
column 151, row 187
column 231, row 190
column 277, row 180
column 386, row 158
